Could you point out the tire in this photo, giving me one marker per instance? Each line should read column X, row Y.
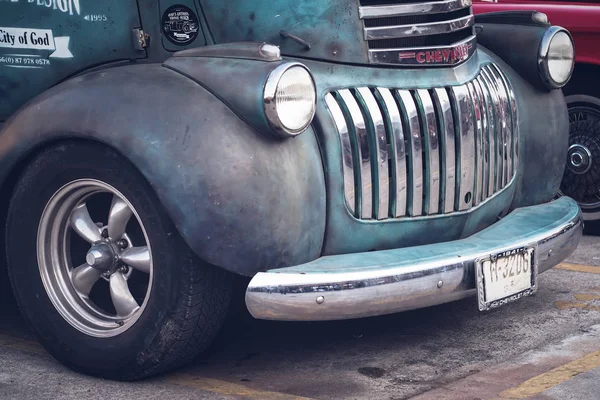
column 181, row 301
column 581, row 180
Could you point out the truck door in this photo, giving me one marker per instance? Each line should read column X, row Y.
column 43, row 42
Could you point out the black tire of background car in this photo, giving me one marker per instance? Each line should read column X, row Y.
column 584, row 129
column 189, row 298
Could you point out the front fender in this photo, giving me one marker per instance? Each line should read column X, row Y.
column 240, row 200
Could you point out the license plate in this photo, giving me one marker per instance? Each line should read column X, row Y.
column 505, row 277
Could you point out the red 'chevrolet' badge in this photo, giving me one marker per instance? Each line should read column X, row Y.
column 437, row 56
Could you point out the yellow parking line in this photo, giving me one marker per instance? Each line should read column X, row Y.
column 563, row 305
column 227, row 388
column 553, row 377
column 578, row 268
column 586, row 296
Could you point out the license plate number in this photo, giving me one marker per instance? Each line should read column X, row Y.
column 505, row 277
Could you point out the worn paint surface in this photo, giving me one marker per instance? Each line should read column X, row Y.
column 542, row 150
column 332, row 27
column 554, row 214
column 196, row 128
column 80, row 34
column 242, row 92
column 240, row 199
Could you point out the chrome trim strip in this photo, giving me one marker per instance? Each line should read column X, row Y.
column 346, row 151
column 364, row 166
column 396, row 10
column 478, row 123
column 398, row 148
column 367, row 284
column 506, row 125
column 491, row 149
column 464, row 111
column 485, row 144
column 432, row 153
column 497, row 131
column 381, row 150
column 409, row 111
column 442, row 102
column 413, row 30
column 514, row 148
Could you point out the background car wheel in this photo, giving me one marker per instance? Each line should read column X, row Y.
column 100, row 272
column 581, row 180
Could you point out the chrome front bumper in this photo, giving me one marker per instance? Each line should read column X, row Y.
column 382, row 282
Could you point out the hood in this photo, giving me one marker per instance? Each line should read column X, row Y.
column 347, row 31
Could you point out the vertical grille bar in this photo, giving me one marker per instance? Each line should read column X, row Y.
column 514, row 150
column 498, row 155
column 409, row 111
column 364, row 162
column 485, row 144
column 507, row 122
column 444, row 107
column 347, row 161
column 432, row 153
column 505, row 112
column 381, row 183
column 398, row 149
column 478, row 124
column 464, row 116
column 491, row 149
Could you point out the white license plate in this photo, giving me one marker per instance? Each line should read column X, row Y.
column 505, row 277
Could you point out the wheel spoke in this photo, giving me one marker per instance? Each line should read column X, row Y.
column 82, row 223
column 118, row 217
column 138, row 258
column 122, row 299
column 84, row 277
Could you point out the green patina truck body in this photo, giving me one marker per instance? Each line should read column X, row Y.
column 352, row 157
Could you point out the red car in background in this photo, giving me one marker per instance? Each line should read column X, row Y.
column 582, row 175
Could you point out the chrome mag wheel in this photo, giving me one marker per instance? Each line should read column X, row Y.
column 581, row 180
column 94, row 258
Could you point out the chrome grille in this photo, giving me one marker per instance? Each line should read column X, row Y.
column 410, row 153
column 411, row 33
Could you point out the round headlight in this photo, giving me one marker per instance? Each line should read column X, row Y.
column 557, row 57
column 290, row 99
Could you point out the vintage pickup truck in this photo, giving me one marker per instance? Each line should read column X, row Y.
column 353, row 158
column 582, row 175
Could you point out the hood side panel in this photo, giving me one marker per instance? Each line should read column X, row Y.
column 331, row 27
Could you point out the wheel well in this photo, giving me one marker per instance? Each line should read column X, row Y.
column 584, row 80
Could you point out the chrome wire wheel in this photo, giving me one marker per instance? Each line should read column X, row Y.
column 94, row 258
column 581, row 180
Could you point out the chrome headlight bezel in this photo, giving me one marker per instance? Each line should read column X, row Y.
column 270, row 100
column 543, row 57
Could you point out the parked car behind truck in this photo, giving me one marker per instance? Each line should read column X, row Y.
column 352, row 158
column 582, row 175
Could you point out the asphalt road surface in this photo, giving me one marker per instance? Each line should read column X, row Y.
column 544, row 347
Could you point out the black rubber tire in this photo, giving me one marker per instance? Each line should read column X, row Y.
column 189, row 298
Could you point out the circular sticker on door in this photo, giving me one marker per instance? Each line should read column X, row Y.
column 180, row 25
